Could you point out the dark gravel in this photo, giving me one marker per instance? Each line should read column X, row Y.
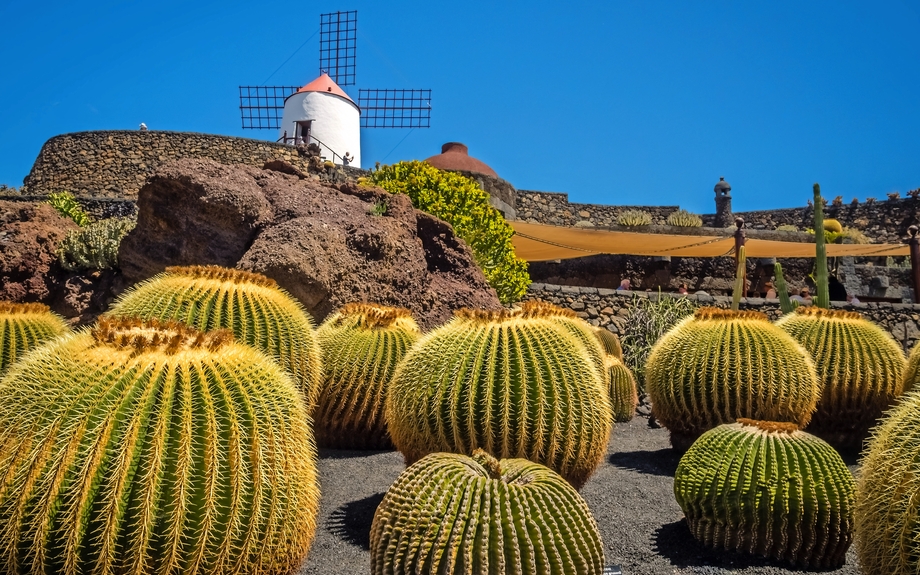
column 631, row 496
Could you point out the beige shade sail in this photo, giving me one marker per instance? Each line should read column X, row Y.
column 538, row 242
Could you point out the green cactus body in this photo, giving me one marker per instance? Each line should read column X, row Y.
column 259, row 312
column 610, row 342
column 24, row 326
column 623, row 394
column 822, row 297
column 860, row 367
column 574, row 325
column 630, row 218
column 140, row 447
column 719, row 365
column 768, row 489
column 833, row 226
column 786, row 305
column 912, row 371
column 462, row 515
column 510, row 383
column 684, row 219
column 738, row 291
column 361, row 345
column 888, row 494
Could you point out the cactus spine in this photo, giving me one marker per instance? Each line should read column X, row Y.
column 822, row 297
column 454, row 514
column 259, row 312
column 769, row 489
column 24, row 326
column 860, row 367
column 738, row 292
column 786, row 305
column 361, row 345
column 719, row 365
column 141, row 447
column 509, row 382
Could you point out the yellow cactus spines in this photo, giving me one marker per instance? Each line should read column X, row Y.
column 833, row 226
column 361, row 345
column 610, row 342
column 888, row 494
column 140, row 447
column 859, row 364
column 24, row 326
column 569, row 321
column 912, row 370
column 511, row 383
column 623, row 394
column 769, row 489
column 719, row 365
column 259, row 312
column 462, row 515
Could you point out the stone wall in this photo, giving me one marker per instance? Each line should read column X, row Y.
column 555, row 209
column 608, row 308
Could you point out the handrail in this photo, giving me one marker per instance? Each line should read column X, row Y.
column 322, row 144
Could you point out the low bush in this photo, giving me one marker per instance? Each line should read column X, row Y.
column 631, row 218
column 67, row 206
column 95, row 246
column 684, row 219
column 647, row 320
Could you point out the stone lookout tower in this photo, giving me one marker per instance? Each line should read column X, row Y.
column 723, row 217
column 321, row 113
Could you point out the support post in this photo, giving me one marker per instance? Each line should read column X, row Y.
column 914, row 243
column 739, row 243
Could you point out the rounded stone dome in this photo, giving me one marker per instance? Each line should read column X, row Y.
column 455, row 156
column 722, row 186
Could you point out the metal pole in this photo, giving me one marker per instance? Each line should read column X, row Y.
column 739, row 241
column 914, row 243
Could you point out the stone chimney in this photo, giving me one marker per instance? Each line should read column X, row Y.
column 723, row 217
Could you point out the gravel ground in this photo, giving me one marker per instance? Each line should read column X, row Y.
column 630, row 494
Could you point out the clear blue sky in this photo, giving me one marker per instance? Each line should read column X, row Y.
column 612, row 102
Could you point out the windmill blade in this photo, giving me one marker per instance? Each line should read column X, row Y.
column 395, row 108
column 337, row 44
column 262, row 107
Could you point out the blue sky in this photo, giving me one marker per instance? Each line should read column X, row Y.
column 613, row 102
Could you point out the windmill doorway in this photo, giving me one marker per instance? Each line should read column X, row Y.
column 302, row 131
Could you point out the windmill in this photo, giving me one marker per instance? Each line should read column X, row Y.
column 322, row 113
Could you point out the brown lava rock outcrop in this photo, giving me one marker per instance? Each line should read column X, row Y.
column 327, row 244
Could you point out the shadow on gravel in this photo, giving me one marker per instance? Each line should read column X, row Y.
column 352, row 522
column 659, row 462
column 326, row 453
column 674, row 542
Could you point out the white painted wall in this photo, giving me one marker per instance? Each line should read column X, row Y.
column 336, row 122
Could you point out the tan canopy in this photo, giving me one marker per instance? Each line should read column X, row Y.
column 538, row 242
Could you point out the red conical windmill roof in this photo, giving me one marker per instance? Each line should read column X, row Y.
column 325, row 84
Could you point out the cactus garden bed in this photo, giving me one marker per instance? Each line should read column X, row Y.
column 630, row 494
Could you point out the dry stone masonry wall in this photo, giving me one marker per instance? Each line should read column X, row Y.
column 555, row 209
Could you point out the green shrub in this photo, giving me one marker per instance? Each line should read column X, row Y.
column 460, row 201
column 684, row 219
column 94, row 246
column 67, row 206
column 647, row 320
column 631, row 218
column 787, row 228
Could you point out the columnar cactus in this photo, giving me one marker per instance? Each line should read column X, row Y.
column 719, row 365
column 24, row 326
column 361, row 345
column 259, row 312
column 860, row 367
column 766, row 488
column 888, row 494
column 623, row 394
column 610, row 342
column 141, row 447
column 508, row 382
column 454, row 514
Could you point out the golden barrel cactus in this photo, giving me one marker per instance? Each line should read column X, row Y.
column 141, row 447
column 571, row 323
column 769, row 489
column 911, row 377
column 623, row 394
column 361, row 345
column 251, row 305
column 719, row 365
column 462, row 515
column 860, row 367
column 610, row 342
column 24, row 326
column 888, row 494
column 509, row 382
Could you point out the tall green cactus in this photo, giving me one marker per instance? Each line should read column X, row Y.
column 719, row 365
column 786, row 305
column 766, row 488
column 739, row 290
column 860, row 367
column 509, row 382
column 24, row 326
column 141, row 447
column 361, row 345
column 822, row 297
column 454, row 514
column 259, row 312
column 888, row 493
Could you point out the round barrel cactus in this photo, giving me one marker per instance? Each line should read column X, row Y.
column 719, row 365
column 623, row 395
column 140, row 447
column 258, row 312
column 571, row 323
column 508, row 382
column 361, row 345
column 610, row 342
column 24, row 326
column 912, row 370
column 462, row 515
column 860, row 367
column 769, row 489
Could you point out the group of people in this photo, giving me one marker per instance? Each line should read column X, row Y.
column 836, row 291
